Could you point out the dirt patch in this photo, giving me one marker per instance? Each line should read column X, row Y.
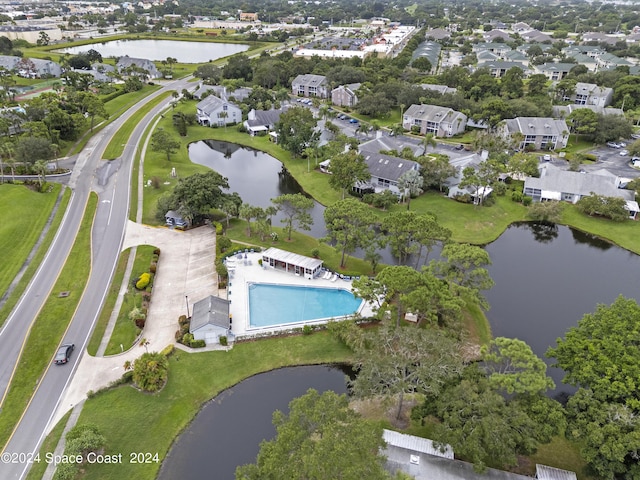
column 387, row 408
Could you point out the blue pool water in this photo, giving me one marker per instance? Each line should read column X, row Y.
column 280, row 304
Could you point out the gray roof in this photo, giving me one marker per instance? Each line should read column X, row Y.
column 417, row 444
column 210, row 311
column 563, row 111
column 310, row 80
column 438, row 88
column 560, row 67
column 536, row 126
column 292, row 258
column 265, row 118
column 388, row 167
column 544, row 472
column 148, row 65
column 553, row 179
column 501, row 65
column 432, row 113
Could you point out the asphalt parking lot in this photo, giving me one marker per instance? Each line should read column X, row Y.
column 611, row 159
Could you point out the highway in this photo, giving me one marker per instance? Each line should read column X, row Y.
column 111, row 181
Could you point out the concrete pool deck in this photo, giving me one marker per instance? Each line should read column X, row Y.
column 243, row 272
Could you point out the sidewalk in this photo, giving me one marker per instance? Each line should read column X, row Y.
column 186, row 269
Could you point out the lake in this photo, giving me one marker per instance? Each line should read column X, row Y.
column 228, row 430
column 547, row 277
column 157, row 50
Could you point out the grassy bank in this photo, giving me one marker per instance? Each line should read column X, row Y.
column 25, row 214
column 150, row 423
column 49, row 327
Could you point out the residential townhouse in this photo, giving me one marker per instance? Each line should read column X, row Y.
column 554, row 71
column 215, row 111
column 498, row 48
column 535, row 36
column 386, row 171
column 499, row 68
column 262, row 120
column 590, row 94
column 492, row 35
column 440, row 121
column 538, row 133
column 126, row 62
column 561, row 185
column 442, row 89
column 345, row 95
column 563, row 111
column 309, row 85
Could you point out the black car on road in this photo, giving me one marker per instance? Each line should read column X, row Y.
column 63, row 354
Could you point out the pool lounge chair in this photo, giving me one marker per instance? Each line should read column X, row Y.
column 335, row 277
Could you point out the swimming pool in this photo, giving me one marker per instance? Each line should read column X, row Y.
column 271, row 304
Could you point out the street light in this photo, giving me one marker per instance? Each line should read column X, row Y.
column 186, row 298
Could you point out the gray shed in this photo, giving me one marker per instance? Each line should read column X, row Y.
column 210, row 319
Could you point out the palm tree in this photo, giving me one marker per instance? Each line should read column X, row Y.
column 223, row 115
column 127, row 365
column 397, row 129
column 41, row 169
column 144, row 343
column 429, row 139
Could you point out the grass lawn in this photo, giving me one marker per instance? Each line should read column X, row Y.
column 624, row 234
column 150, row 423
column 561, row 453
column 25, row 214
column 37, row 259
column 109, row 303
column 49, row 326
column 125, row 331
column 469, row 223
column 303, row 245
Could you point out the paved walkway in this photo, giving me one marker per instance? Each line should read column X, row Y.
column 186, row 270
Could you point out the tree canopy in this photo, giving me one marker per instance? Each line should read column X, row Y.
column 320, row 438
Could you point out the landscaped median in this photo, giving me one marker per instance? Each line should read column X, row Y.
column 49, row 326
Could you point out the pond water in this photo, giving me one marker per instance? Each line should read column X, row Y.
column 256, row 176
column 227, row 432
column 547, row 277
column 157, row 50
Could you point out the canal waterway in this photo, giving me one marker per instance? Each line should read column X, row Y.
column 228, row 430
column 157, row 50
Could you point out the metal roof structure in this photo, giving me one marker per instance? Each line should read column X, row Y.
column 292, row 258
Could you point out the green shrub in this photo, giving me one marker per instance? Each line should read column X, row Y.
column 156, row 251
column 224, row 243
column 218, row 227
column 221, row 268
column 500, row 189
column 315, row 252
column 143, row 281
column 516, row 196
column 197, row 344
column 307, row 330
column 182, row 320
column 224, row 341
column 153, row 268
column 526, row 200
column 168, row 350
column 150, row 371
column 187, row 338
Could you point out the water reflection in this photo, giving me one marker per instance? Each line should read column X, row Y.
column 543, row 232
column 542, row 288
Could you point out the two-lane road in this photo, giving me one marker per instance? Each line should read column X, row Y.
column 111, row 180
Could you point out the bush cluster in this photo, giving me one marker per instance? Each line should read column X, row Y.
column 143, row 281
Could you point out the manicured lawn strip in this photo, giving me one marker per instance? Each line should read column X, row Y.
column 125, row 101
column 150, row 423
column 303, row 245
column 109, row 303
column 25, row 213
column 48, row 329
column 121, row 137
column 48, row 446
column 476, row 323
column 468, row 223
column 37, row 259
column 624, row 234
column 125, row 331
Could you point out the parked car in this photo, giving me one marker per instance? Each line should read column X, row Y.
column 622, row 144
column 613, row 145
column 460, row 147
column 353, row 120
column 64, row 353
column 546, row 158
column 624, row 153
column 635, row 136
column 342, row 117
